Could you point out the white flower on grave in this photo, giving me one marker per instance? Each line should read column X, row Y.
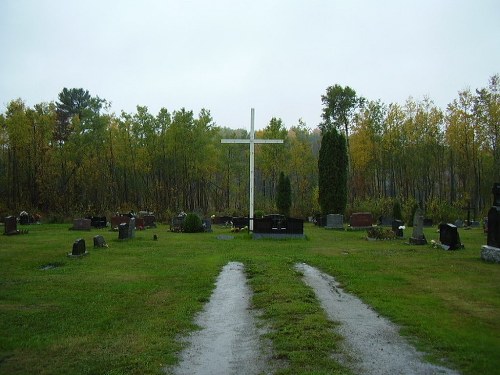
column 433, row 242
column 402, row 227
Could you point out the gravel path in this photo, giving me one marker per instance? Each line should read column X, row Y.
column 229, row 340
column 372, row 344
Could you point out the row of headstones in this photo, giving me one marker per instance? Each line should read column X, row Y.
column 146, row 221
column 448, row 234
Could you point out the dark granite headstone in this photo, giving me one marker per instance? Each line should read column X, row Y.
column 79, row 247
column 24, row 218
column 99, row 241
column 449, row 237
column 385, row 221
column 491, row 251
column 98, row 221
column 418, row 237
column 397, row 228
column 123, row 231
column 81, row 224
column 494, row 227
column 10, row 226
column 361, row 220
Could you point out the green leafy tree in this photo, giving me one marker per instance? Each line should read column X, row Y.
column 332, row 169
column 284, row 195
column 340, row 104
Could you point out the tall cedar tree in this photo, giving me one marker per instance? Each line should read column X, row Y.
column 332, row 168
column 284, row 195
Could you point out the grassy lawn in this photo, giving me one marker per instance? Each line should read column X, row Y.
column 120, row 310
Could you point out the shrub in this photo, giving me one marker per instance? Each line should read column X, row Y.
column 192, row 223
column 381, row 233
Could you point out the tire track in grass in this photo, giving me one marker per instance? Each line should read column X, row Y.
column 229, row 341
column 372, row 344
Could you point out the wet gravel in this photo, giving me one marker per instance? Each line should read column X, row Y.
column 229, row 341
column 372, row 344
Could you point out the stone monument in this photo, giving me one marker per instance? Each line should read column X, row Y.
column 418, row 237
column 491, row 251
column 79, row 248
column 334, row 221
column 10, row 226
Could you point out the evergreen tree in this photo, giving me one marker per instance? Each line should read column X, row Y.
column 332, row 168
column 284, row 195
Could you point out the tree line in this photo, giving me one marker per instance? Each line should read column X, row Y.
column 74, row 157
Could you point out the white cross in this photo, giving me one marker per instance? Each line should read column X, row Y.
column 252, row 141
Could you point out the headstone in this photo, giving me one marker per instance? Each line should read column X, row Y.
column 494, row 227
column 78, row 248
column 278, row 226
column 385, row 221
column 449, row 237
column 397, row 228
column 334, row 221
column 491, row 251
column 24, row 218
column 10, row 226
column 98, row 221
column 81, row 224
column 207, row 225
column 418, row 237
column 131, row 228
column 361, row 220
column 149, row 221
column 123, row 231
column 139, row 223
column 458, row 223
column 99, row 241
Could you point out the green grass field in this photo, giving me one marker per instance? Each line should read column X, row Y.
column 121, row 310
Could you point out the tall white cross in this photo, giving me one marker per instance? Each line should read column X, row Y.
column 252, row 141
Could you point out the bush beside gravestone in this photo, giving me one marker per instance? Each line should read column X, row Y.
column 193, row 223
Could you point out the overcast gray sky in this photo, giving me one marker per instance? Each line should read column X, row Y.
column 227, row 56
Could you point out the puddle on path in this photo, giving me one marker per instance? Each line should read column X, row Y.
column 229, row 341
column 372, row 344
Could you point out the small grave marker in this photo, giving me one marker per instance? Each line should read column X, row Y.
column 99, row 241
column 10, row 226
column 449, row 237
column 79, row 248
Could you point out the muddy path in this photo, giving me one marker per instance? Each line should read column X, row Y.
column 229, row 341
column 372, row 344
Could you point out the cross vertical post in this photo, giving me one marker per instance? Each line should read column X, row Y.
column 251, row 141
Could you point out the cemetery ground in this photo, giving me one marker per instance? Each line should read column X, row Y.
column 122, row 309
